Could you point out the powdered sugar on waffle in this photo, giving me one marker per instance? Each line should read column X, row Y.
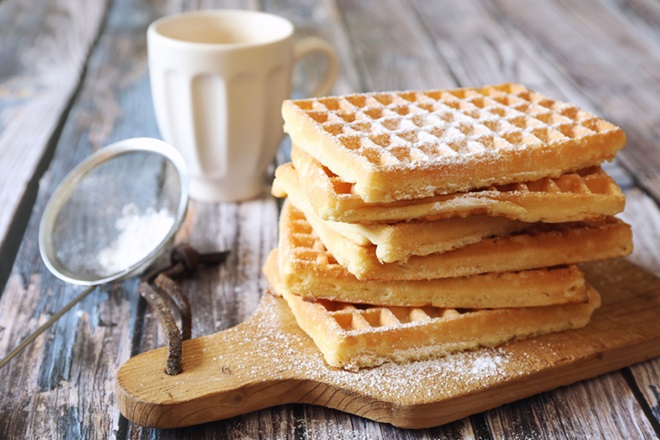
column 407, row 145
column 433, row 125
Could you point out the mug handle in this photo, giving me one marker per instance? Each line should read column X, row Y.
column 307, row 46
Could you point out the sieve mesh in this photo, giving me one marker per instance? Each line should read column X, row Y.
column 113, row 215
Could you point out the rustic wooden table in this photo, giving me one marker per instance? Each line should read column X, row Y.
column 73, row 78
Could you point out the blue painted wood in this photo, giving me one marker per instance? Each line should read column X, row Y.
column 44, row 47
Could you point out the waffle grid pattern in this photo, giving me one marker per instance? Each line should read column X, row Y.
column 355, row 336
column 588, row 181
column 305, row 244
column 394, row 129
column 366, row 318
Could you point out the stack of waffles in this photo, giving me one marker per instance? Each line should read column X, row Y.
column 422, row 223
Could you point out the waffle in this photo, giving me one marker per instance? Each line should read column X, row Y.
column 325, row 279
column 354, row 336
column 399, row 241
column 582, row 195
column 406, row 145
column 541, row 246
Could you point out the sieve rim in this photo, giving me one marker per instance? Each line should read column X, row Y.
column 69, row 183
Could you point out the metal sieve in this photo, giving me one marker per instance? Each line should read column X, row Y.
column 132, row 195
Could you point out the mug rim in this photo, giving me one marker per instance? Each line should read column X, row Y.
column 287, row 32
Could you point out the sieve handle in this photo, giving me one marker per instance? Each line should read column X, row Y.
column 47, row 324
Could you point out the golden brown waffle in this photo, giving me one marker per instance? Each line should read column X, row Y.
column 325, row 279
column 399, row 241
column 541, row 246
column 354, row 336
column 582, row 195
column 406, row 145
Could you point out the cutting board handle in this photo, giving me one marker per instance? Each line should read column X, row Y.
column 223, row 375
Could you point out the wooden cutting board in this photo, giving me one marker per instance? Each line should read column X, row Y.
column 268, row 361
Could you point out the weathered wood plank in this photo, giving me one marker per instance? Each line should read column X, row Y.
column 68, row 389
column 644, row 10
column 643, row 213
column 43, row 48
column 558, row 414
column 312, row 19
column 391, row 48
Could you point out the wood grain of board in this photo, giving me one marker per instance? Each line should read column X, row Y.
column 268, row 360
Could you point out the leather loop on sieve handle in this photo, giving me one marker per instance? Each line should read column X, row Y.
column 158, row 301
column 181, row 301
column 160, row 291
column 309, row 45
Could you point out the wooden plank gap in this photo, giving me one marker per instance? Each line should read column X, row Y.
column 648, row 10
column 434, row 48
column 643, row 403
column 358, row 63
column 18, row 225
column 480, row 427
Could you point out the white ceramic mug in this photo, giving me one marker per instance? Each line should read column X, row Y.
column 218, row 79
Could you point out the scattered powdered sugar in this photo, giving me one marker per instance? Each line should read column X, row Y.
column 139, row 234
column 273, row 351
column 486, row 365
